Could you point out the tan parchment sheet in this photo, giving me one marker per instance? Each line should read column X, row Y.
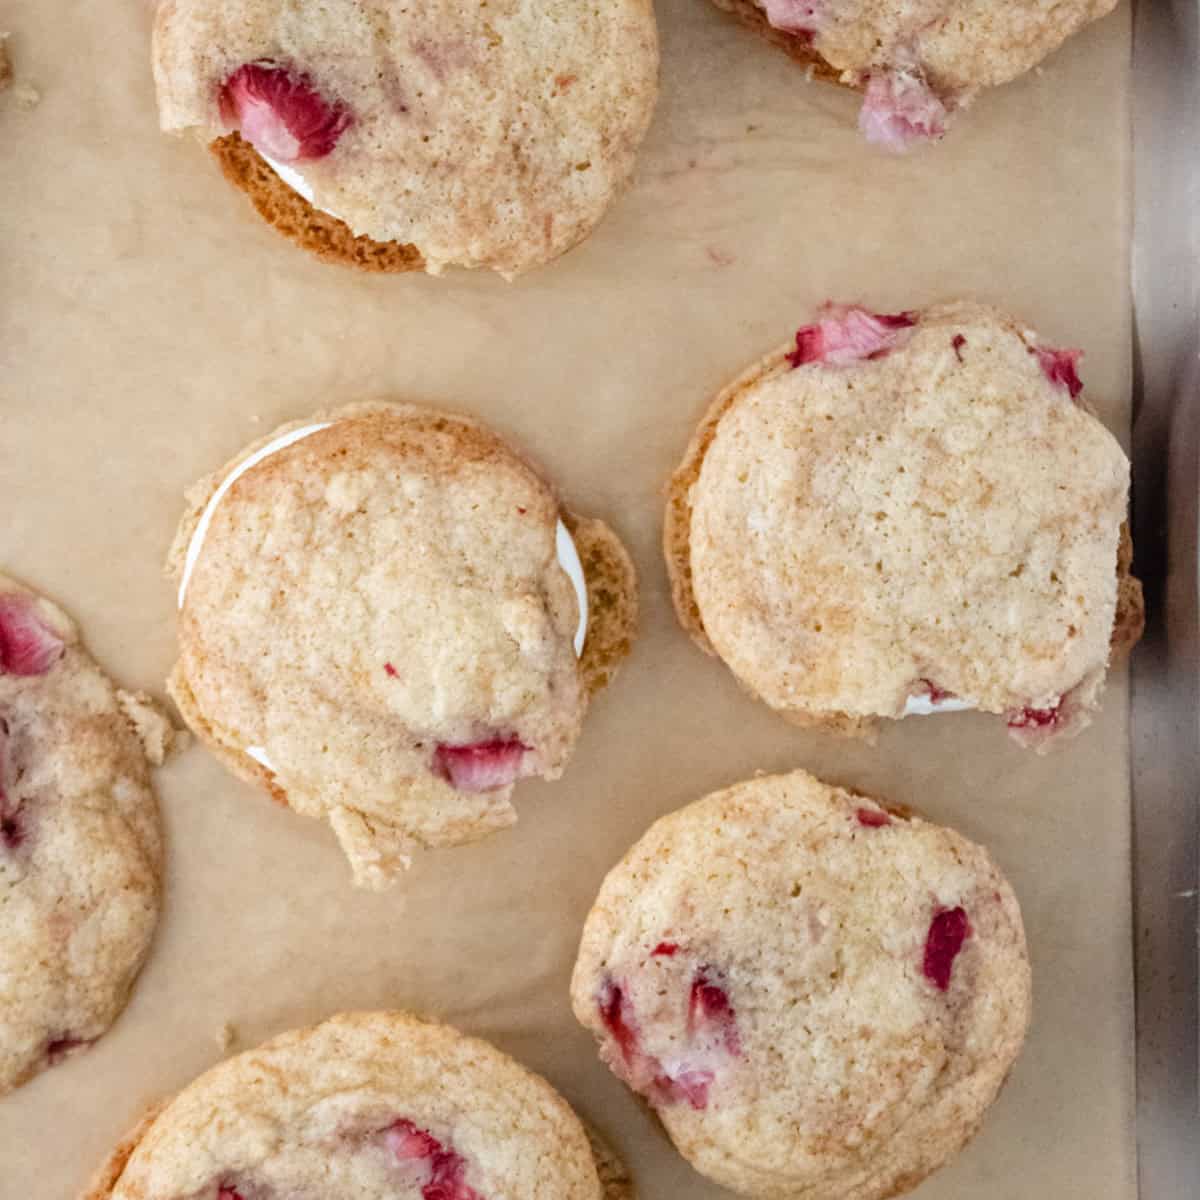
column 150, row 325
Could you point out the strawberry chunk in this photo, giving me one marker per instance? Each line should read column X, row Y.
column 900, row 110
column 27, row 645
column 1035, row 718
column 710, row 1036
column 847, row 333
column 947, row 932
column 665, row 950
column 1059, row 367
column 873, row 818
column 228, row 1193
column 480, row 766
column 445, row 1167
column 281, row 113
column 958, row 342
column 798, row 17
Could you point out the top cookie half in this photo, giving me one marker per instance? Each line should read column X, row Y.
column 916, row 61
column 387, row 619
column 490, row 135
column 903, row 511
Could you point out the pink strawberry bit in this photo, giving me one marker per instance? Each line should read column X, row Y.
column 947, row 932
column 710, row 1012
column 1035, row 718
column 1059, row 367
column 228, row 1193
column 446, row 1168
column 801, row 18
column 27, row 645
column 665, row 950
column 390, row 670
column 873, row 818
column 847, row 333
column 926, row 687
column 481, row 766
column 958, row 342
column 900, row 111
column 281, row 113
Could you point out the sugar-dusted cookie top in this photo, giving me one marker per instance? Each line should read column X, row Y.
column 491, row 135
column 905, row 508
column 80, row 840
column 385, row 621
column 917, row 61
column 819, row 997
column 374, row 1106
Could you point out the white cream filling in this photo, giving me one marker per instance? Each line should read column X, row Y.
column 564, row 545
column 296, row 182
column 924, row 705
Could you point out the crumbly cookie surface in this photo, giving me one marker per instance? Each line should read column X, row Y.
column 364, row 1106
column 378, row 612
column 916, row 60
column 932, row 515
column 819, row 996
column 479, row 136
column 80, row 840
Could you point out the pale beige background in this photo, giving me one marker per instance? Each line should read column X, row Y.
column 149, row 326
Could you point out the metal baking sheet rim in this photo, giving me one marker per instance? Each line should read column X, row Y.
column 1165, row 718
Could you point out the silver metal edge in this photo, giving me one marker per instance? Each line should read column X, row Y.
column 1165, row 716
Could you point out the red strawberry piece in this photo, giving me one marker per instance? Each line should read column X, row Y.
column 847, row 333
column 390, row 670
column 1035, row 718
column 798, row 17
column 1059, row 367
column 947, row 932
column 480, row 766
column 665, row 950
column 446, row 1168
column 710, row 1011
column 958, row 342
column 27, row 645
column 690, row 1084
column 281, row 113
column 12, row 832
column 617, row 1020
column 900, row 110
column 228, row 1193
column 873, row 818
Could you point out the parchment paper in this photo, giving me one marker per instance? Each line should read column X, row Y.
column 151, row 325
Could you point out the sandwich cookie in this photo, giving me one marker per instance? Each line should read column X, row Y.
column 903, row 514
column 387, row 619
column 919, row 61
column 415, row 138
column 375, row 1106
column 80, row 839
column 819, row 996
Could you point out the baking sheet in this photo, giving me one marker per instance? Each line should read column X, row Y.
column 150, row 326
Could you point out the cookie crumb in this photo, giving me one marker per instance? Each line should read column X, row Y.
column 225, row 1037
column 160, row 739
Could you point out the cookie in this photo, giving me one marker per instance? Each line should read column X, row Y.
column 387, row 619
column 819, row 997
column 399, row 139
column 372, row 1105
column 907, row 514
column 80, row 840
column 917, row 63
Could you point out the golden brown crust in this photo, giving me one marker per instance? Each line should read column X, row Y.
column 612, row 599
column 616, row 1183
column 102, row 1183
column 1130, row 621
column 747, row 13
column 287, row 211
column 1128, row 625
